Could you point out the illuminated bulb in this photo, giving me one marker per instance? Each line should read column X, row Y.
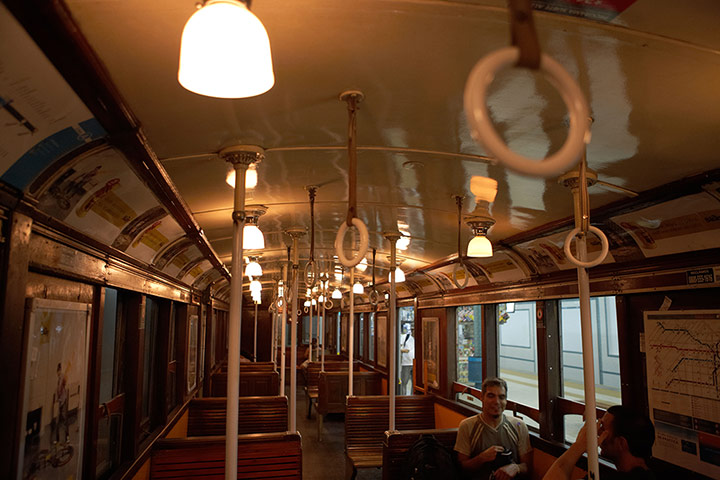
column 253, row 269
column 255, row 286
column 403, row 243
column 308, row 292
column 307, row 303
column 479, row 246
column 399, row 276
column 251, row 177
column 358, row 288
column 225, row 52
column 253, row 238
column 337, row 293
column 321, row 299
column 362, row 266
column 338, row 276
column 313, row 302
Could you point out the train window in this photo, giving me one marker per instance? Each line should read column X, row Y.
column 338, row 337
column 110, row 393
column 406, row 349
column 172, row 399
column 517, row 352
column 371, row 337
column 606, row 356
column 361, row 331
column 469, row 345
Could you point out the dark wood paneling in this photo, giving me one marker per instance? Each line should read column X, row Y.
column 93, row 386
column 489, row 341
column 549, row 369
column 12, row 332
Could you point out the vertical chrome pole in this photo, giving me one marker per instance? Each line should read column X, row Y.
column 351, row 332
column 255, row 335
column 283, row 332
column 392, row 328
column 241, row 158
column 322, row 333
column 293, row 330
column 310, row 329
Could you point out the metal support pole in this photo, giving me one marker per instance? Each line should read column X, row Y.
column 322, row 334
column 317, row 328
column 587, row 346
column 283, row 332
column 293, row 330
column 255, row 335
column 241, row 158
column 392, row 328
column 351, row 331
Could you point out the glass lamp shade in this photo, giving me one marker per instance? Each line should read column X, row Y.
column 399, row 276
column 307, row 303
column 358, row 288
column 313, row 302
column 321, row 299
column 362, row 266
column 479, row 246
column 253, row 269
column 255, row 286
column 337, row 294
column 403, row 243
column 251, row 177
column 225, row 52
column 253, row 238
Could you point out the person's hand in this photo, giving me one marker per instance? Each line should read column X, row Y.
column 507, row 472
column 490, row 454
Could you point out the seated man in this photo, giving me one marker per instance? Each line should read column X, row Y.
column 491, row 444
column 624, row 437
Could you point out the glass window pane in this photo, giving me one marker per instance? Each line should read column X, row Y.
column 406, row 347
column 361, row 352
column 151, row 317
column 605, row 352
column 371, row 338
column 517, row 351
column 107, row 360
column 469, row 345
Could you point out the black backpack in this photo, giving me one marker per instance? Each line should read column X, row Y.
column 428, row 459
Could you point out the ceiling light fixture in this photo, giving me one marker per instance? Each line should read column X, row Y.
column 225, row 52
column 336, row 294
column 253, row 269
column 480, row 221
column 362, row 266
column 358, row 288
column 251, row 177
column 253, row 238
column 255, row 286
column 399, row 275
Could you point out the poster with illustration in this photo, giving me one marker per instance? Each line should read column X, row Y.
column 53, row 414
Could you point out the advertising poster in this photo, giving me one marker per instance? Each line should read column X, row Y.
column 431, row 351
column 53, row 412
column 683, row 361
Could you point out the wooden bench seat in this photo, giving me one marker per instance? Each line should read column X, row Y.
column 252, row 384
column 248, row 366
column 206, row 416
column 260, row 456
column 396, row 445
column 366, row 420
column 312, row 375
column 333, row 390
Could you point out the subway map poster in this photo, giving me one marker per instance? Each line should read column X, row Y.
column 683, row 369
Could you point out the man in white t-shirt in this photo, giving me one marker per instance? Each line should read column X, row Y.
column 407, row 354
column 491, row 444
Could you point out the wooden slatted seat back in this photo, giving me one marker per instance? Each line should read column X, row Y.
column 252, row 384
column 260, row 456
column 396, row 445
column 367, row 417
column 333, row 388
column 312, row 372
column 206, row 416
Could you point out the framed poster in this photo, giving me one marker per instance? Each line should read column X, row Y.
column 192, row 352
column 55, row 373
column 382, row 340
column 431, row 352
column 203, row 334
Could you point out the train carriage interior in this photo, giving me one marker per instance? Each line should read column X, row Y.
column 433, row 191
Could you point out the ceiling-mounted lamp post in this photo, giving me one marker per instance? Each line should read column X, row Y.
column 253, row 238
column 479, row 245
column 225, row 51
column 295, row 234
column 240, row 157
column 392, row 237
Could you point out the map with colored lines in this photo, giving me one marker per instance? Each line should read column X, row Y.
column 683, row 369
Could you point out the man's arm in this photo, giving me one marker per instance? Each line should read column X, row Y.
column 473, row 464
column 562, row 468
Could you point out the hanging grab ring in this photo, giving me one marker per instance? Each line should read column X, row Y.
column 328, row 304
column 364, row 241
column 308, row 274
column 482, row 128
column 374, row 297
column 454, row 275
column 603, row 242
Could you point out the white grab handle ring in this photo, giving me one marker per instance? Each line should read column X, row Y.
column 454, row 275
column 482, row 128
column 328, row 304
column 603, row 242
column 364, row 242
